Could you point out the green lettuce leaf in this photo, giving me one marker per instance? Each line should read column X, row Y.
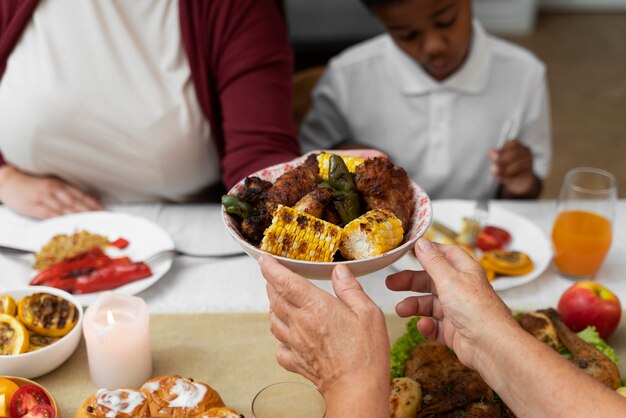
column 591, row 336
column 403, row 347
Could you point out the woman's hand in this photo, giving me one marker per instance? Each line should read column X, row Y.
column 513, row 168
column 461, row 309
column 42, row 197
column 340, row 344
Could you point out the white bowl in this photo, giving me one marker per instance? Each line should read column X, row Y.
column 44, row 360
column 420, row 221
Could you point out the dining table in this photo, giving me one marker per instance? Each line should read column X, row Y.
column 209, row 314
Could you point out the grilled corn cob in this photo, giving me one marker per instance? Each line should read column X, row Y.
column 323, row 161
column 300, row 236
column 371, row 234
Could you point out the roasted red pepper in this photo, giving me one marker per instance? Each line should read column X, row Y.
column 120, row 243
column 111, row 277
column 492, row 238
column 79, row 264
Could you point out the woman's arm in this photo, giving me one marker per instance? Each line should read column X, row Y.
column 461, row 309
column 251, row 75
column 340, row 344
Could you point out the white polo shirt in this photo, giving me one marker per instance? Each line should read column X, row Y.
column 440, row 132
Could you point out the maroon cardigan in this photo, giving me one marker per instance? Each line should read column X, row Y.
column 241, row 66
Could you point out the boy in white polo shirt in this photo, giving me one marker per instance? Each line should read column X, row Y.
column 439, row 96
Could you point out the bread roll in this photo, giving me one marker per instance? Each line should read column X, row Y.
column 177, row 397
column 118, row 403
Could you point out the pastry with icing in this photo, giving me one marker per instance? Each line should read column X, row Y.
column 178, row 397
column 220, row 412
column 117, row 403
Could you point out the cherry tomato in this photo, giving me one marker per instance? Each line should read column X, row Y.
column 492, row 238
column 41, row 411
column 26, row 398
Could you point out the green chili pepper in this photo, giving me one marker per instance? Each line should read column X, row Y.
column 345, row 194
column 234, row 205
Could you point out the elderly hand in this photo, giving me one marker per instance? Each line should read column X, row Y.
column 42, row 197
column 460, row 309
column 338, row 343
column 513, row 168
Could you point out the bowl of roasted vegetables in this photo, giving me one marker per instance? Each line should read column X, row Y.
column 323, row 209
column 40, row 328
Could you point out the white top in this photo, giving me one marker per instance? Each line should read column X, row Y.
column 440, row 132
column 99, row 93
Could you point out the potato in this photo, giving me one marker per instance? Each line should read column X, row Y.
column 406, row 398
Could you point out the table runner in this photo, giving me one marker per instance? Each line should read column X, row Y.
column 234, row 353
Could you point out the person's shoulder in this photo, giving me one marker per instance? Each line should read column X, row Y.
column 513, row 55
column 363, row 56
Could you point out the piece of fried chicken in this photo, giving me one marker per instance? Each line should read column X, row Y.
column 447, row 385
column 287, row 190
column 386, row 186
column 585, row 356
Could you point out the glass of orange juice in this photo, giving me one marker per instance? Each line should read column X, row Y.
column 582, row 230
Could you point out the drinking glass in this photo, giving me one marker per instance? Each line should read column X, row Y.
column 289, row 400
column 582, row 231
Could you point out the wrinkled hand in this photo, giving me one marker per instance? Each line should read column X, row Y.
column 512, row 166
column 42, row 197
column 461, row 309
column 336, row 343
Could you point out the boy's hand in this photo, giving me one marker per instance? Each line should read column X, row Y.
column 513, row 168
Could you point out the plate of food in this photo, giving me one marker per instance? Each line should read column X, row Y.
column 514, row 250
column 323, row 209
column 87, row 253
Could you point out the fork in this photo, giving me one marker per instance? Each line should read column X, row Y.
column 15, row 250
column 479, row 218
column 175, row 253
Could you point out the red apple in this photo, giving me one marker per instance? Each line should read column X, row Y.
column 589, row 303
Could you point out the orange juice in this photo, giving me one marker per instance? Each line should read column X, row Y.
column 581, row 241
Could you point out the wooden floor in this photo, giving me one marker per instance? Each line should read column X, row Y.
column 586, row 60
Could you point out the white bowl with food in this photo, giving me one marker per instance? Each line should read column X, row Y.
column 62, row 329
column 402, row 197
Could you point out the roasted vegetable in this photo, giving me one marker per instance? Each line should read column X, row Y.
column 8, row 305
column 323, row 161
column 492, row 238
column 13, row 336
column 508, row 263
column 345, row 194
column 372, row 234
column 47, row 315
column 406, row 398
column 300, row 236
column 235, row 206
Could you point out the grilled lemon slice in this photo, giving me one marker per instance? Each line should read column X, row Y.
column 14, row 337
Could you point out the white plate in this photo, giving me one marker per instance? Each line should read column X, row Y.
column 526, row 237
column 145, row 238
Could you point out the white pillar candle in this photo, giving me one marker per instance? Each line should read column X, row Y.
column 117, row 333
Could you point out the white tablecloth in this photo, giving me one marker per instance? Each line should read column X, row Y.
column 235, row 284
